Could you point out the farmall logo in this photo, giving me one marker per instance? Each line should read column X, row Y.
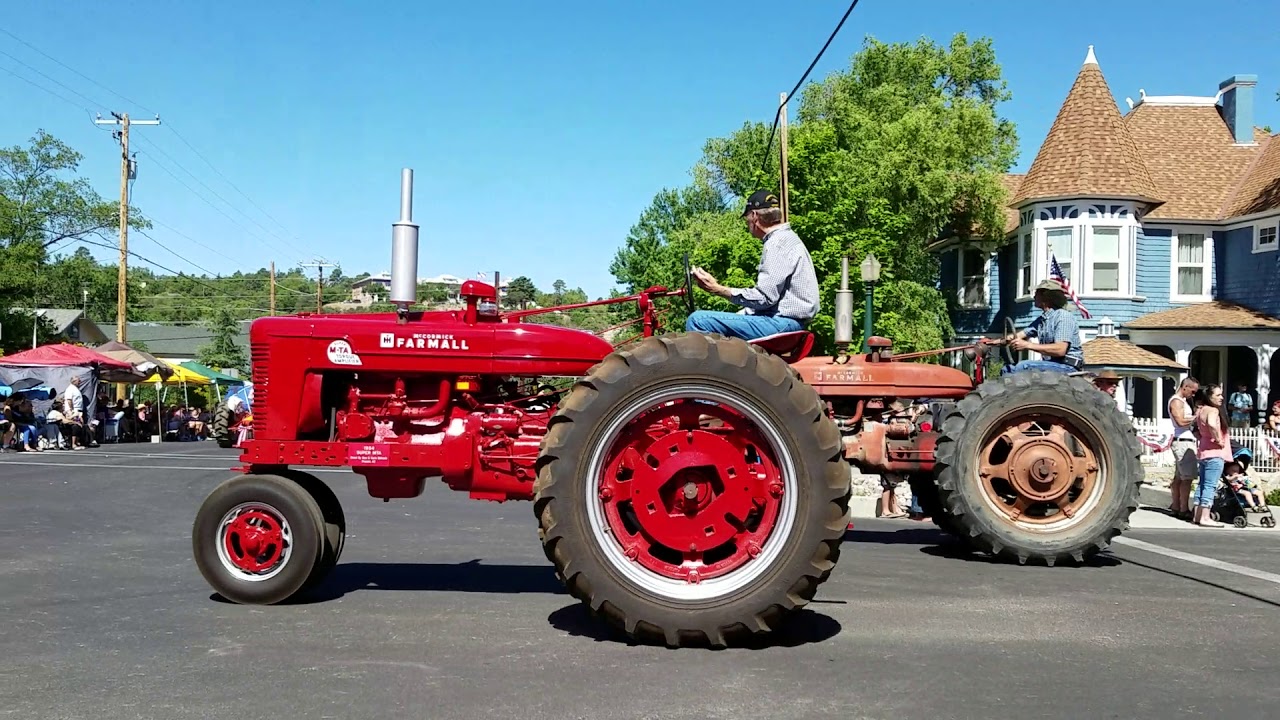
column 422, row 341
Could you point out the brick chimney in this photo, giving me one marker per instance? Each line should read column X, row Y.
column 1237, row 106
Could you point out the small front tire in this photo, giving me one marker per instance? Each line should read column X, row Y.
column 258, row 538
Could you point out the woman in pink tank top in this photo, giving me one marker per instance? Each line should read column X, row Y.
column 1213, row 448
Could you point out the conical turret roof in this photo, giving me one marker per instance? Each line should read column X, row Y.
column 1089, row 151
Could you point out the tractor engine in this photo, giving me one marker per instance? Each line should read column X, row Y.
column 481, row 440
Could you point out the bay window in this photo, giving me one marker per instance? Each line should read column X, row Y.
column 1061, row 246
column 1024, row 270
column 1105, row 260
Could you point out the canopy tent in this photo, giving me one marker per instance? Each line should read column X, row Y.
column 66, row 355
column 179, row 376
column 145, row 363
column 218, row 378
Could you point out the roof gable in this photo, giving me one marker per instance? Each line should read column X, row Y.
column 1088, row 151
column 1259, row 189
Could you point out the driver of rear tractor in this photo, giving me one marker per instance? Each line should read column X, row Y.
column 785, row 297
column 1057, row 330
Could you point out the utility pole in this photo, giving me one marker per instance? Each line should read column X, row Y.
column 782, row 147
column 126, row 172
column 319, row 266
column 273, row 287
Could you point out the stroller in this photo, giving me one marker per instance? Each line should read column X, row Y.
column 1227, row 505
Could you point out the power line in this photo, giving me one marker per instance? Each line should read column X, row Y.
column 776, row 115
column 69, row 89
column 77, row 72
column 51, row 92
column 166, row 249
column 215, row 193
column 228, row 181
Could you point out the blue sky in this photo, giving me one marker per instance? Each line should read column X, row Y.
column 537, row 131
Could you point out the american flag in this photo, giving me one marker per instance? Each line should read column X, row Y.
column 1055, row 272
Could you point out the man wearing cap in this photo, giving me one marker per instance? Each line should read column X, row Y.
column 785, row 297
column 1057, row 331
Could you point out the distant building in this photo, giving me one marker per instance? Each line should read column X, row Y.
column 178, row 342
column 71, row 325
column 363, row 295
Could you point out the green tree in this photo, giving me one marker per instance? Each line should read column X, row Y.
column 222, row 351
column 521, row 292
column 901, row 148
column 557, row 288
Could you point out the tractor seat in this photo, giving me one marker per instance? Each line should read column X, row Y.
column 790, row 346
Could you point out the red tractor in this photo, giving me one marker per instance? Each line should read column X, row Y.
column 689, row 489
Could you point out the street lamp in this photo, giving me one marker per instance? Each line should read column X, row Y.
column 870, row 276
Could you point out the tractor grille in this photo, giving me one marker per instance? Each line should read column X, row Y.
column 258, row 356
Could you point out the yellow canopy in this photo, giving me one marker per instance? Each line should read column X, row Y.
column 180, row 375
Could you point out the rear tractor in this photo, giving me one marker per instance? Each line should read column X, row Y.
column 687, row 488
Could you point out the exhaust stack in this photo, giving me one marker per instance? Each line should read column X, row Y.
column 844, row 307
column 404, row 248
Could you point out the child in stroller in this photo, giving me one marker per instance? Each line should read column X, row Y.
column 1239, row 494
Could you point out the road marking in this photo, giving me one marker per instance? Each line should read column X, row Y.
column 1198, row 559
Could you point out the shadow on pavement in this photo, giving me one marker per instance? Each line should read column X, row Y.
column 468, row 577
column 803, row 627
column 939, row 544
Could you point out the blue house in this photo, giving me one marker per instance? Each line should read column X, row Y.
column 1164, row 219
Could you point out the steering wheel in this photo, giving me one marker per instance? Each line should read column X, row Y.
column 1006, row 352
column 688, row 284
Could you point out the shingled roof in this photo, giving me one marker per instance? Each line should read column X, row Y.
column 1260, row 188
column 1193, row 158
column 1116, row 353
column 1215, row 315
column 1088, row 151
column 1011, row 182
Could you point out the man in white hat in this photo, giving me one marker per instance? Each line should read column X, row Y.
column 1057, row 331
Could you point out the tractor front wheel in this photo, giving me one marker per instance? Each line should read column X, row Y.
column 1038, row 466
column 258, row 539
column 692, row 491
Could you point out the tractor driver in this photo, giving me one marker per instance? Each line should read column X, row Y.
column 785, row 297
column 1057, row 330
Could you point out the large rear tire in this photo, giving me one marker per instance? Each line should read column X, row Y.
column 681, row 531
column 1038, row 466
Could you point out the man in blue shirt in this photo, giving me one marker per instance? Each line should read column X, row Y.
column 1057, row 331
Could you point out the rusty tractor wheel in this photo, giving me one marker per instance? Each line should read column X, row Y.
column 257, row 539
column 1038, row 466
column 691, row 491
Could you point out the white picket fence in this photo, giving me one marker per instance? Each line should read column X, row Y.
column 1264, row 459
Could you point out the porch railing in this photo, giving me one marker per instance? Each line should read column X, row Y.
column 1264, row 460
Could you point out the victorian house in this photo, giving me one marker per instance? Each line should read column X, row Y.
column 1164, row 221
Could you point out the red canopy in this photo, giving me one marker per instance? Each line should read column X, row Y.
column 62, row 355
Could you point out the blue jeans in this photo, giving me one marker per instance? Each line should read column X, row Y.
column 1210, row 476
column 1030, row 365
column 747, row 327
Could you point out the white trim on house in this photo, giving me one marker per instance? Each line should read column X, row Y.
column 1260, row 230
column 1206, row 263
column 986, row 279
column 1080, row 267
column 1026, row 245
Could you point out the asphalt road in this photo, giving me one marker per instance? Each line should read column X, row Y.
column 443, row 607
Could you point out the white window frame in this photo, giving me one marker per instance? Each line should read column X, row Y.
column 1209, row 260
column 1125, row 242
column 1258, row 246
column 986, row 279
column 1026, row 243
column 1042, row 249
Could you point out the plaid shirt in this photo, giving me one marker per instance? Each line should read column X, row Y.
column 786, row 284
column 1057, row 325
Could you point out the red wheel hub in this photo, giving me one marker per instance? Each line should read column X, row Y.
column 254, row 541
column 691, row 490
